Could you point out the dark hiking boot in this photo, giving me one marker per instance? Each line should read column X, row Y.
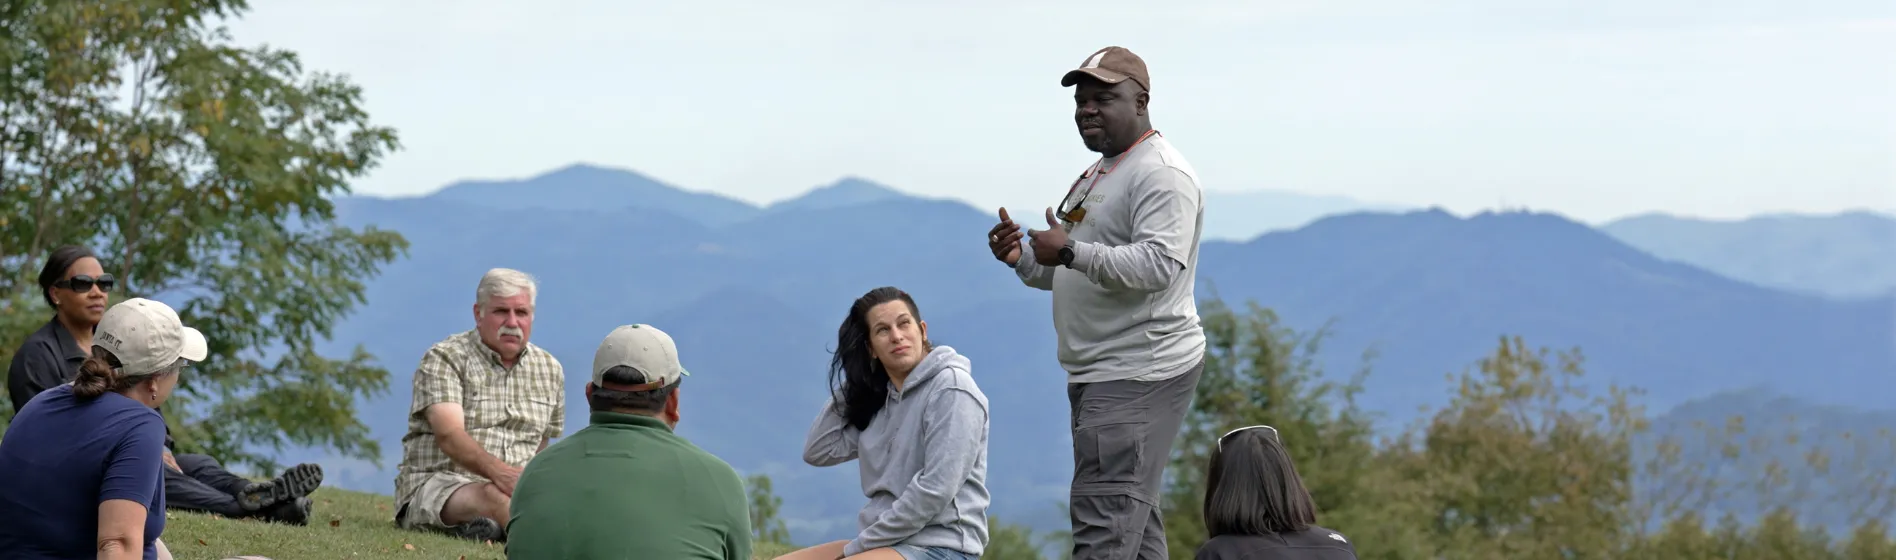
column 481, row 529
column 294, row 483
column 293, row 512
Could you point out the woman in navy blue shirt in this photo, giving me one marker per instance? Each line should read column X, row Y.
column 82, row 461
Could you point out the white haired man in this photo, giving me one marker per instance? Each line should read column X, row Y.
column 485, row 402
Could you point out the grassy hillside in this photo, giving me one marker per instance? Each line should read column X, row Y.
column 344, row 525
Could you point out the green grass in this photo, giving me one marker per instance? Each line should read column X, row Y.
column 342, row 525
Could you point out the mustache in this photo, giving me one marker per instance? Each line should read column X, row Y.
column 513, row 331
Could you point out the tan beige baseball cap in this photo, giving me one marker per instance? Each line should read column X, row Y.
column 1111, row 65
column 147, row 337
column 643, row 348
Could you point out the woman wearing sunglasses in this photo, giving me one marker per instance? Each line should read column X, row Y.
column 77, row 287
column 1256, row 507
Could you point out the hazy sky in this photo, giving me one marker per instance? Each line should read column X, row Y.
column 1592, row 108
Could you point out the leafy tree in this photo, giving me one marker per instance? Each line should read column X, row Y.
column 1778, row 535
column 1869, row 541
column 1831, row 469
column 765, row 507
column 1007, row 541
column 20, row 314
column 1058, row 542
column 203, row 173
column 1525, row 463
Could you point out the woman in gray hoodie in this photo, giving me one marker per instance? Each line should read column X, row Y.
column 910, row 411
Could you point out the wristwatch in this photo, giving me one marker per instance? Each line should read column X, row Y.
column 1066, row 254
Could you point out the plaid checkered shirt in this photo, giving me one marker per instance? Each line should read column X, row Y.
column 509, row 411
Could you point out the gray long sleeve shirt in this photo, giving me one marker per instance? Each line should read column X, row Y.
column 1127, row 309
column 923, row 459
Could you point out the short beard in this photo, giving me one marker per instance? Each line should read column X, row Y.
column 1101, row 146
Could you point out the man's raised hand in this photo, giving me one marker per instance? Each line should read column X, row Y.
column 1004, row 240
column 1048, row 242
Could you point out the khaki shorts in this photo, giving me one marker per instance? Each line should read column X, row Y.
column 422, row 510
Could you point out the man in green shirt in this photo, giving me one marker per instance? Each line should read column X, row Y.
column 626, row 486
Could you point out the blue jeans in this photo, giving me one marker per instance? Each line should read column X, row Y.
column 912, row 552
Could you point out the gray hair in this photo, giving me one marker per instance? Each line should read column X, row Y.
column 505, row 282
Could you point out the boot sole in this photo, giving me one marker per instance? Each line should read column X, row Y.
column 295, row 483
column 482, row 530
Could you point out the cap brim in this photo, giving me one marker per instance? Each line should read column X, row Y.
column 195, row 349
column 1101, row 74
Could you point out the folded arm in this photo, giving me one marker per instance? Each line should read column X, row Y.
column 952, row 438
column 438, row 399
column 832, row 441
column 450, row 428
column 1164, row 227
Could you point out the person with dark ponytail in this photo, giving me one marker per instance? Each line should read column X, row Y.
column 83, row 462
column 75, row 285
column 1256, row 506
column 911, row 411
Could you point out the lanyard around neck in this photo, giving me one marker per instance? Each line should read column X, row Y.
column 1095, row 172
column 1073, row 216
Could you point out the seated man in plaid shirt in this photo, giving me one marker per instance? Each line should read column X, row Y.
column 485, row 402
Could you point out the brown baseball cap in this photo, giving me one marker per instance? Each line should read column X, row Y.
column 1111, row 65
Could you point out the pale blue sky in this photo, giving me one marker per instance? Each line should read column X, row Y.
column 1595, row 108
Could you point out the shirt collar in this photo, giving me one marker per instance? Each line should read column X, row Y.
column 68, row 348
column 631, row 420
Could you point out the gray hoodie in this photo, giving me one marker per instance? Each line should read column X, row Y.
column 923, row 460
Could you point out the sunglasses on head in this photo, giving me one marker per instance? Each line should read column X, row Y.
column 83, row 283
column 1273, row 434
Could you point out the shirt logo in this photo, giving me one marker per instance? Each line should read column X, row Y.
column 1339, row 538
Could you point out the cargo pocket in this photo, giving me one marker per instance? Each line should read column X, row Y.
column 1111, row 446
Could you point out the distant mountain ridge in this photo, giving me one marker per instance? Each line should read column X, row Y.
column 1230, row 215
column 753, row 299
column 1845, row 255
column 587, row 187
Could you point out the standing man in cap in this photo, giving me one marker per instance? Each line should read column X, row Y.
column 1120, row 255
column 626, row 485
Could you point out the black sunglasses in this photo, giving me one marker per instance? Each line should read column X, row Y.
column 1273, row 431
column 83, row 283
